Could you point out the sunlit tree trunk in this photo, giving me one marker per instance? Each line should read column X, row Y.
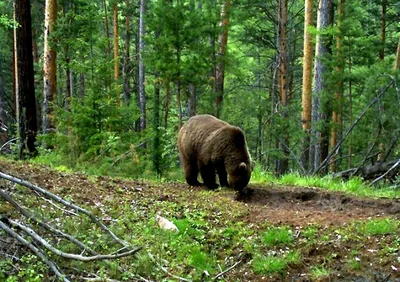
column 49, row 69
column 319, row 113
column 338, row 100
column 116, row 54
column 25, row 88
column 141, row 75
column 220, row 67
column 307, row 75
column 282, row 164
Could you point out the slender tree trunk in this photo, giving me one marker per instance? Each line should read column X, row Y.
column 307, row 75
column 337, row 107
column 192, row 100
column 383, row 30
column 397, row 60
column 166, row 105
column 319, row 112
column 25, row 87
column 156, row 127
column 283, row 144
column 3, row 121
column 220, row 67
column 381, row 146
column 49, row 69
column 116, row 54
column 127, row 59
column 108, row 47
column 141, row 75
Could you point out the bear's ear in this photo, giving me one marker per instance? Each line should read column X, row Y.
column 242, row 166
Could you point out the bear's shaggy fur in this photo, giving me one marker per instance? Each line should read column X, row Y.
column 209, row 146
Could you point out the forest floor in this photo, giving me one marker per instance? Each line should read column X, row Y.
column 330, row 229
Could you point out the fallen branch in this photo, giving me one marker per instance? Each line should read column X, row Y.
column 42, row 224
column 56, row 251
column 386, row 173
column 65, row 203
column 36, row 250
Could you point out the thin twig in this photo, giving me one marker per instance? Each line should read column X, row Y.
column 64, row 202
column 56, row 251
column 36, row 250
column 57, row 207
column 386, row 173
column 226, row 270
column 42, row 224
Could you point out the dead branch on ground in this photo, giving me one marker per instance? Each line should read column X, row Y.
column 29, row 238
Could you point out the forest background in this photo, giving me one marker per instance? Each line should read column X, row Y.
column 104, row 86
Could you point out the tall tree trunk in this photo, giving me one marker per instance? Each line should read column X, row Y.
column 191, row 106
column 3, row 121
column 319, row 114
column 108, row 47
column 282, row 164
column 49, row 69
column 116, row 54
column 141, row 75
column 337, row 105
column 127, row 59
column 156, row 127
column 383, row 30
column 397, row 60
column 381, row 146
column 307, row 74
column 25, row 87
column 220, row 67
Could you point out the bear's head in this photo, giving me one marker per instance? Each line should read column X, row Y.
column 239, row 177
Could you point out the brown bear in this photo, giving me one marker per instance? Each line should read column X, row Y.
column 209, row 145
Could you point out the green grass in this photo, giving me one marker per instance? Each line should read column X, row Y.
column 277, row 236
column 274, row 264
column 377, row 227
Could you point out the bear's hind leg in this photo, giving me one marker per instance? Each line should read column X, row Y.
column 208, row 175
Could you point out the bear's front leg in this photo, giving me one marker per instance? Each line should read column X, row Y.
column 208, row 175
column 223, row 177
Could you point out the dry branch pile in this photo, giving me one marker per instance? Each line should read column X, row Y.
column 22, row 230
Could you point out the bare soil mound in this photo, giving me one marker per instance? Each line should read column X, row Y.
column 299, row 206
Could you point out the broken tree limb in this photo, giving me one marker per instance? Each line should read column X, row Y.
column 386, row 173
column 36, row 250
column 65, row 203
column 339, row 144
column 56, row 251
column 42, row 224
column 371, row 171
